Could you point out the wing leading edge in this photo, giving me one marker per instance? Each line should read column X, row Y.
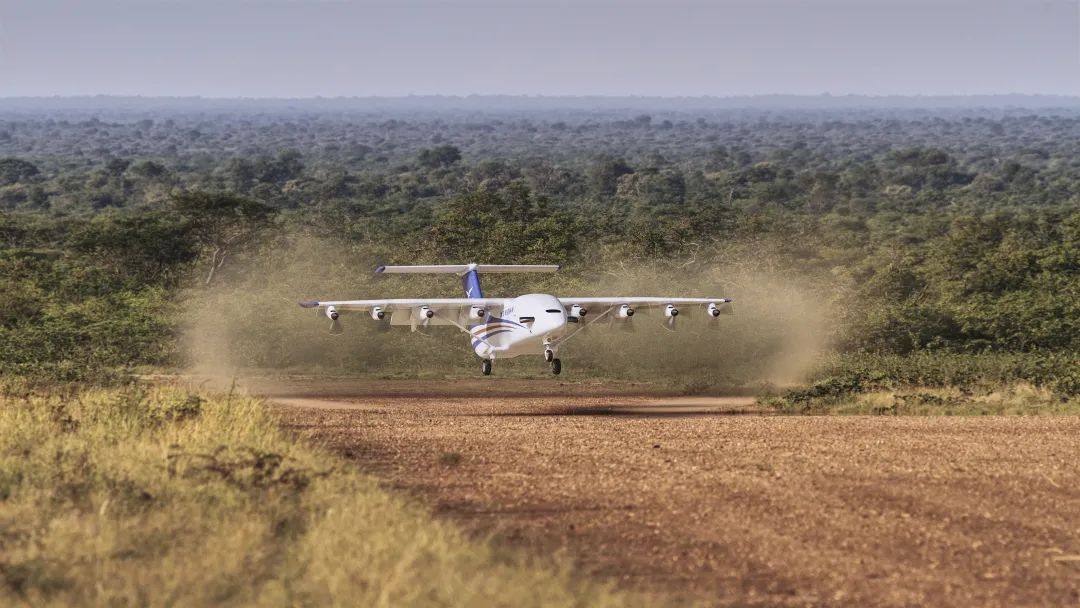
column 404, row 304
column 642, row 301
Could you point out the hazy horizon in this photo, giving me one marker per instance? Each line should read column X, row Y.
column 683, row 48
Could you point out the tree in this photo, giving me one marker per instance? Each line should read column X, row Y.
column 14, row 170
column 148, row 169
column 439, row 156
column 604, row 175
column 287, row 166
column 116, row 166
column 509, row 226
column 222, row 222
column 145, row 247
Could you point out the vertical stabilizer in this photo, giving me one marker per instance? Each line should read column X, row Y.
column 470, row 282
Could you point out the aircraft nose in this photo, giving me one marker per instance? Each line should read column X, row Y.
column 558, row 325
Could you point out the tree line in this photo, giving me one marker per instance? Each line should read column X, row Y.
column 952, row 233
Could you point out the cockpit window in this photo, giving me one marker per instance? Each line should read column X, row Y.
column 555, row 310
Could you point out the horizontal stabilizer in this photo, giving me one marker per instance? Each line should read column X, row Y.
column 463, row 268
column 489, row 268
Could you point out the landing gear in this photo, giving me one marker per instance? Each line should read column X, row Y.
column 556, row 366
column 486, row 367
column 549, row 355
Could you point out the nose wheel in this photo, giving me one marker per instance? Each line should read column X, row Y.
column 556, row 366
column 486, row 367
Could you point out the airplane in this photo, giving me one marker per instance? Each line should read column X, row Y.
column 503, row 328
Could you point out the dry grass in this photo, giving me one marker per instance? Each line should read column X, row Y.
column 1019, row 398
column 156, row 496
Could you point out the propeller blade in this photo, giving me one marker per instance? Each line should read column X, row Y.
column 335, row 328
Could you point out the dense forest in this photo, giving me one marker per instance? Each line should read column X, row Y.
column 952, row 234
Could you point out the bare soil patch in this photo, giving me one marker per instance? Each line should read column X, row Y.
column 715, row 499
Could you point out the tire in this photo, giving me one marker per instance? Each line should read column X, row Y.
column 556, row 366
column 486, row 367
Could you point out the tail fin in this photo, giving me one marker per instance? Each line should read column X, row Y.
column 470, row 281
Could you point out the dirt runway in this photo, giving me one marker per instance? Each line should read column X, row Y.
column 713, row 499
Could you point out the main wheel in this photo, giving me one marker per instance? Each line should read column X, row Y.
column 556, row 366
column 486, row 367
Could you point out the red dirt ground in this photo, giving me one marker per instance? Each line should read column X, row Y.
column 714, row 499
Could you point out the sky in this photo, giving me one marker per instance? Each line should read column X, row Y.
column 309, row 48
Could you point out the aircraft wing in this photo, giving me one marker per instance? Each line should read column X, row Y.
column 722, row 304
column 406, row 304
column 624, row 307
column 413, row 312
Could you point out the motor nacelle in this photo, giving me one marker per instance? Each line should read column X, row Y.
column 723, row 307
column 577, row 311
column 378, row 313
column 332, row 314
column 625, row 312
column 426, row 312
column 477, row 312
column 670, row 311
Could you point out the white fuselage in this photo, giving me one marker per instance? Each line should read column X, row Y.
column 527, row 325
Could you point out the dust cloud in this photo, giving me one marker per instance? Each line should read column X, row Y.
column 779, row 331
column 249, row 321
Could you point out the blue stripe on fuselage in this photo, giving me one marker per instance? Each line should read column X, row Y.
column 492, row 325
column 476, row 343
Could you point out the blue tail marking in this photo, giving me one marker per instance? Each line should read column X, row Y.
column 470, row 282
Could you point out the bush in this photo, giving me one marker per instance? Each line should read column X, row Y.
column 1057, row 371
column 841, row 378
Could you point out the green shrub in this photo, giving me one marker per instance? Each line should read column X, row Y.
column 1056, row 371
